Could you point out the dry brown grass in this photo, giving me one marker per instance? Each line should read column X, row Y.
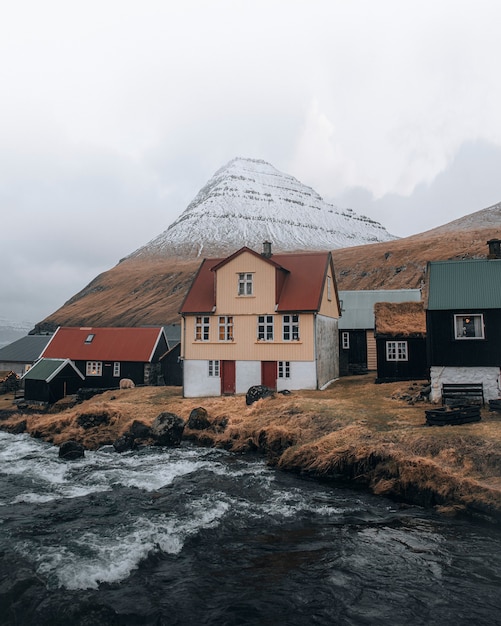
column 356, row 430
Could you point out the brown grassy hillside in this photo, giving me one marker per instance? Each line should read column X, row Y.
column 143, row 291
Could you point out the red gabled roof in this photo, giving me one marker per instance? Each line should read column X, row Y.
column 108, row 344
column 301, row 291
column 303, row 286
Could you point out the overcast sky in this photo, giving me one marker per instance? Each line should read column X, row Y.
column 114, row 113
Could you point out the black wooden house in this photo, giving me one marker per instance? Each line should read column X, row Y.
column 400, row 331
column 463, row 318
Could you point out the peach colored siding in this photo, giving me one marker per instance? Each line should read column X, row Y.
column 263, row 299
column 245, row 346
column 329, row 307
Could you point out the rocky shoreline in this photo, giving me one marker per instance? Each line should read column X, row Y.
column 355, row 433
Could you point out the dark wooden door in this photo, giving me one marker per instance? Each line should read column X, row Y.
column 227, row 377
column 269, row 374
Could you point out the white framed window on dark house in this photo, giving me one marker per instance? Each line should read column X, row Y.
column 94, row 368
column 345, row 340
column 396, row 351
column 469, row 326
column 116, row 369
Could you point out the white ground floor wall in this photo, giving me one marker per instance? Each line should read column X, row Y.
column 197, row 382
column 489, row 376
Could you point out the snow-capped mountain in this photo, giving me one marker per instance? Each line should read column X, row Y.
column 247, row 202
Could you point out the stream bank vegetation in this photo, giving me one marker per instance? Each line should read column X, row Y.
column 355, row 433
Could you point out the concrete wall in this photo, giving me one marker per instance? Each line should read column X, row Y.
column 197, row 382
column 489, row 376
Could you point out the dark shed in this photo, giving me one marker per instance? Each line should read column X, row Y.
column 49, row 380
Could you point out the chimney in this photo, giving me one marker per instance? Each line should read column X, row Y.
column 494, row 249
column 266, row 250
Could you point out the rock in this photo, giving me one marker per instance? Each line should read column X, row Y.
column 198, row 419
column 167, row 429
column 71, row 450
column 124, row 443
column 18, row 428
column 257, row 392
column 90, row 420
column 138, row 430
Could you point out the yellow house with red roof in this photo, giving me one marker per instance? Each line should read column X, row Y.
column 252, row 319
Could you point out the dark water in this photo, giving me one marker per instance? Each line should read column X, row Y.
column 198, row 536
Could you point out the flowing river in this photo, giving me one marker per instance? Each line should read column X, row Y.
column 200, row 536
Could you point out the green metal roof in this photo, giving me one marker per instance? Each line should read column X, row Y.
column 46, row 369
column 358, row 305
column 468, row 284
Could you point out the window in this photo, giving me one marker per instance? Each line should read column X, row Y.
column 469, row 326
column 396, row 351
column 329, row 288
column 245, row 284
column 284, row 369
column 290, row 327
column 265, row 327
column 94, row 368
column 89, row 338
column 202, row 328
column 345, row 340
column 225, row 328
column 214, row 369
column 116, row 368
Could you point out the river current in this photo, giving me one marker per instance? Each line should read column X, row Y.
column 200, row 536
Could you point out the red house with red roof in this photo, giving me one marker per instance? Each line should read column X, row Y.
column 105, row 355
column 252, row 319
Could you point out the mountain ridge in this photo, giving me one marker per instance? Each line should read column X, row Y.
column 248, row 201
column 148, row 286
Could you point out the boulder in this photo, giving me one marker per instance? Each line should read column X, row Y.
column 139, row 430
column 198, row 419
column 257, row 392
column 167, row 429
column 124, row 443
column 71, row 450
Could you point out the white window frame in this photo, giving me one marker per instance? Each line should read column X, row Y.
column 202, row 326
column 225, row 328
column 290, row 327
column 284, row 369
column 214, row 369
column 265, row 327
column 345, row 340
column 463, row 321
column 329, row 288
column 245, row 284
column 94, row 368
column 397, row 351
column 116, row 369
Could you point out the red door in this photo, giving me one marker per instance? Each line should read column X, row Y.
column 269, row 374
column 227, row 377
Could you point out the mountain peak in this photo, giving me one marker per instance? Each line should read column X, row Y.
column 248, row 201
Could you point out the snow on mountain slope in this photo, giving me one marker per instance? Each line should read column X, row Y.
column 247, row 202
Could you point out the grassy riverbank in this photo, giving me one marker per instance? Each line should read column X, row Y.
column 371, row 435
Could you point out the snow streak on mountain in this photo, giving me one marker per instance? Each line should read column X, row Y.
column 249, row 201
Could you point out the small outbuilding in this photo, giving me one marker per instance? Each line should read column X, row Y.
column 49, row 380
column 400, row 332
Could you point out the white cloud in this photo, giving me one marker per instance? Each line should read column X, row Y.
column 117, row 112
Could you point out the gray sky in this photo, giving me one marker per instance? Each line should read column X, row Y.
column 114, row 113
